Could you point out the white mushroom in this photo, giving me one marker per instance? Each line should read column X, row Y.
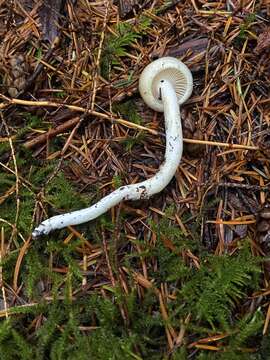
column 164, row 84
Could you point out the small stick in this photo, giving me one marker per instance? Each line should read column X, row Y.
column 215, row 143
column 97, row 65
column 43, row 137
column 14, row 101
column 129, row 124
column 51, row 133
column 68, row 124
column 22, row 252
column 39, row 68
column 245, row 186
column 2, row 255
column 17, row 183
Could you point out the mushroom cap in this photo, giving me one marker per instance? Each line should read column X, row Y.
column 169, row 69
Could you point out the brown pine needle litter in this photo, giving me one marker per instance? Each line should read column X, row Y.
column 184, row 275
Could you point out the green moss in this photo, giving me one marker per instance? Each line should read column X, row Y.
column 247, row 23
column 58, row 192
column 117, row 181
column 62, row 194
column 31, row 121
column 4, row 147
column 215, row 289
column 116, row 46
column 129, row 110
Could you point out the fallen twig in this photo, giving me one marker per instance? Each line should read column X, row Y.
column 126, row 123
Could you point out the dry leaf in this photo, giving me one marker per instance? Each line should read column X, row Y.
column 16, row 79
column 126, row 6
column 49, row 14
column 263, row 41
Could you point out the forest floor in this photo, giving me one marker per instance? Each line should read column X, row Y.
column 183, row 275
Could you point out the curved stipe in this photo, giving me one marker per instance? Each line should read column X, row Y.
column 168, row 87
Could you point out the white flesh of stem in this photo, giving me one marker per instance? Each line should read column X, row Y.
column 142, row 190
